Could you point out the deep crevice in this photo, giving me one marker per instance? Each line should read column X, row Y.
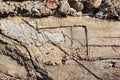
column 43, row 73
column 94, row 45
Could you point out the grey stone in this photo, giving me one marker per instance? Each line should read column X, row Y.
column 109, row 9
column 64, row 8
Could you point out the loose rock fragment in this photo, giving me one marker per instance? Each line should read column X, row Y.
column 73, row 12
column 45, row 11
column 64, row 7
column 78, row 6
column 94, row 4
column 52, row 4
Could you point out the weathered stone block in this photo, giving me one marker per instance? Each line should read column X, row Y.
column 104, row 33
column 63, row 41
column 52, row 43
column 104, row 52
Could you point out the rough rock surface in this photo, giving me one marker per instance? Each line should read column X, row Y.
column 72, row 48
column 52, row 4
column 65, row 48
column 35, row 8
column 106, row 9
column 110, row 9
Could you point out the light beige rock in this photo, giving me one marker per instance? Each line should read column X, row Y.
column 53, row 48
column 103, row 52
column 94, row 4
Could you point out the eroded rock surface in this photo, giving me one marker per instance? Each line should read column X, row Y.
column 51, row 47
column 72, row 48
column 65, row 48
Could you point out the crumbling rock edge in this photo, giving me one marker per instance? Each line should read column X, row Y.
column 102, row 9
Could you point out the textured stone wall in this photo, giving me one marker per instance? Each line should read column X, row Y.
column 72, row 48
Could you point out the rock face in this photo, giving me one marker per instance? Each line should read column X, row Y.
column 71, row 48
column 65, row 48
